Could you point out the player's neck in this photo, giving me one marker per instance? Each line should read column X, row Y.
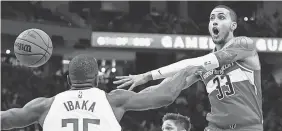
column 81, row 86
column 220, row 46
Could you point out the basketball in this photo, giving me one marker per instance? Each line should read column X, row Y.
column 33, row 47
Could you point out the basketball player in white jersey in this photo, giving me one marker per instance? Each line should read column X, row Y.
column 87, row 108
column 232, row 79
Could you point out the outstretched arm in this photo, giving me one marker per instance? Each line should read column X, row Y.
column 21, row 117
column 239, row 49
column 160, row 95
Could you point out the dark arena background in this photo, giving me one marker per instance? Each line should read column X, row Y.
column 133, row 37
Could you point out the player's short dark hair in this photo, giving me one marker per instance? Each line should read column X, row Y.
column 83, row 68
column 233, row 15
column 179, row 119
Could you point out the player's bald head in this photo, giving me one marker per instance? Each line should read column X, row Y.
column 83, row 68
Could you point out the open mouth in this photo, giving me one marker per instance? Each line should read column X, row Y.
column 215, row 30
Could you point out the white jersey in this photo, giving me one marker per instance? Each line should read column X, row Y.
column 81, row 110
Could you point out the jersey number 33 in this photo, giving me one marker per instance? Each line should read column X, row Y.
column 219, row 86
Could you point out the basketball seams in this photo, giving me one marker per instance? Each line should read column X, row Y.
column 44, row 57
column 44, row 53
column 48, row 44
column 47, row 48
column 39, row 59
column 34, row 44
column 41, row 38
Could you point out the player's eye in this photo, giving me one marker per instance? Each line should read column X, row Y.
column 221, row 17
column 212, row 17
column 168, row 128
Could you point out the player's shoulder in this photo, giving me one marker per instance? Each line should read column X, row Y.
column 42, row 106
column 244, row 42
column 39, row 105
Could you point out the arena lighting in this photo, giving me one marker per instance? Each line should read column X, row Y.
column 252, row 18
column 8, row 51
column 178, row 42
column 113, row 63
column 114, row 66
column 103, row 69
column 114, row 69
column 66, row 61
column 246, row 19
column 103, row 63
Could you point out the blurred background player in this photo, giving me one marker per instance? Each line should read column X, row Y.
column 233, row 79
column 86, row 107
column 176, row 122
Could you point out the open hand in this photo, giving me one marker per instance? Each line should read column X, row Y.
column 133, row 80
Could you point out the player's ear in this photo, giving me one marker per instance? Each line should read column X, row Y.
column 233, row 26
column 68, row 80
column 96, row 81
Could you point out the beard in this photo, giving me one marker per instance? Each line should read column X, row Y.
column 221, row 39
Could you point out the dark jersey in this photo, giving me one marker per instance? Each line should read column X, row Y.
column 235, row 95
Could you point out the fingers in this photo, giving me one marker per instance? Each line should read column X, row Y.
column 125, row 84
column 122, row 81
column 122, row 77
column 132, row 87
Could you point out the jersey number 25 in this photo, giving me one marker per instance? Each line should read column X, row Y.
column 75, row 123
column 228, row 83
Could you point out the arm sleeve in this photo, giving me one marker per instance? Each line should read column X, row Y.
column 239, row 49
column 208, row 61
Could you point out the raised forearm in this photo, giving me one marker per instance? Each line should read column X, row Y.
column 150, row 98
column 208, row 61
column 162, row 94
column 175, row 91
column 170, row 88
column 159, row 95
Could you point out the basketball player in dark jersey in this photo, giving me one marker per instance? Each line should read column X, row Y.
column 232, row 79
column 89, row 108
